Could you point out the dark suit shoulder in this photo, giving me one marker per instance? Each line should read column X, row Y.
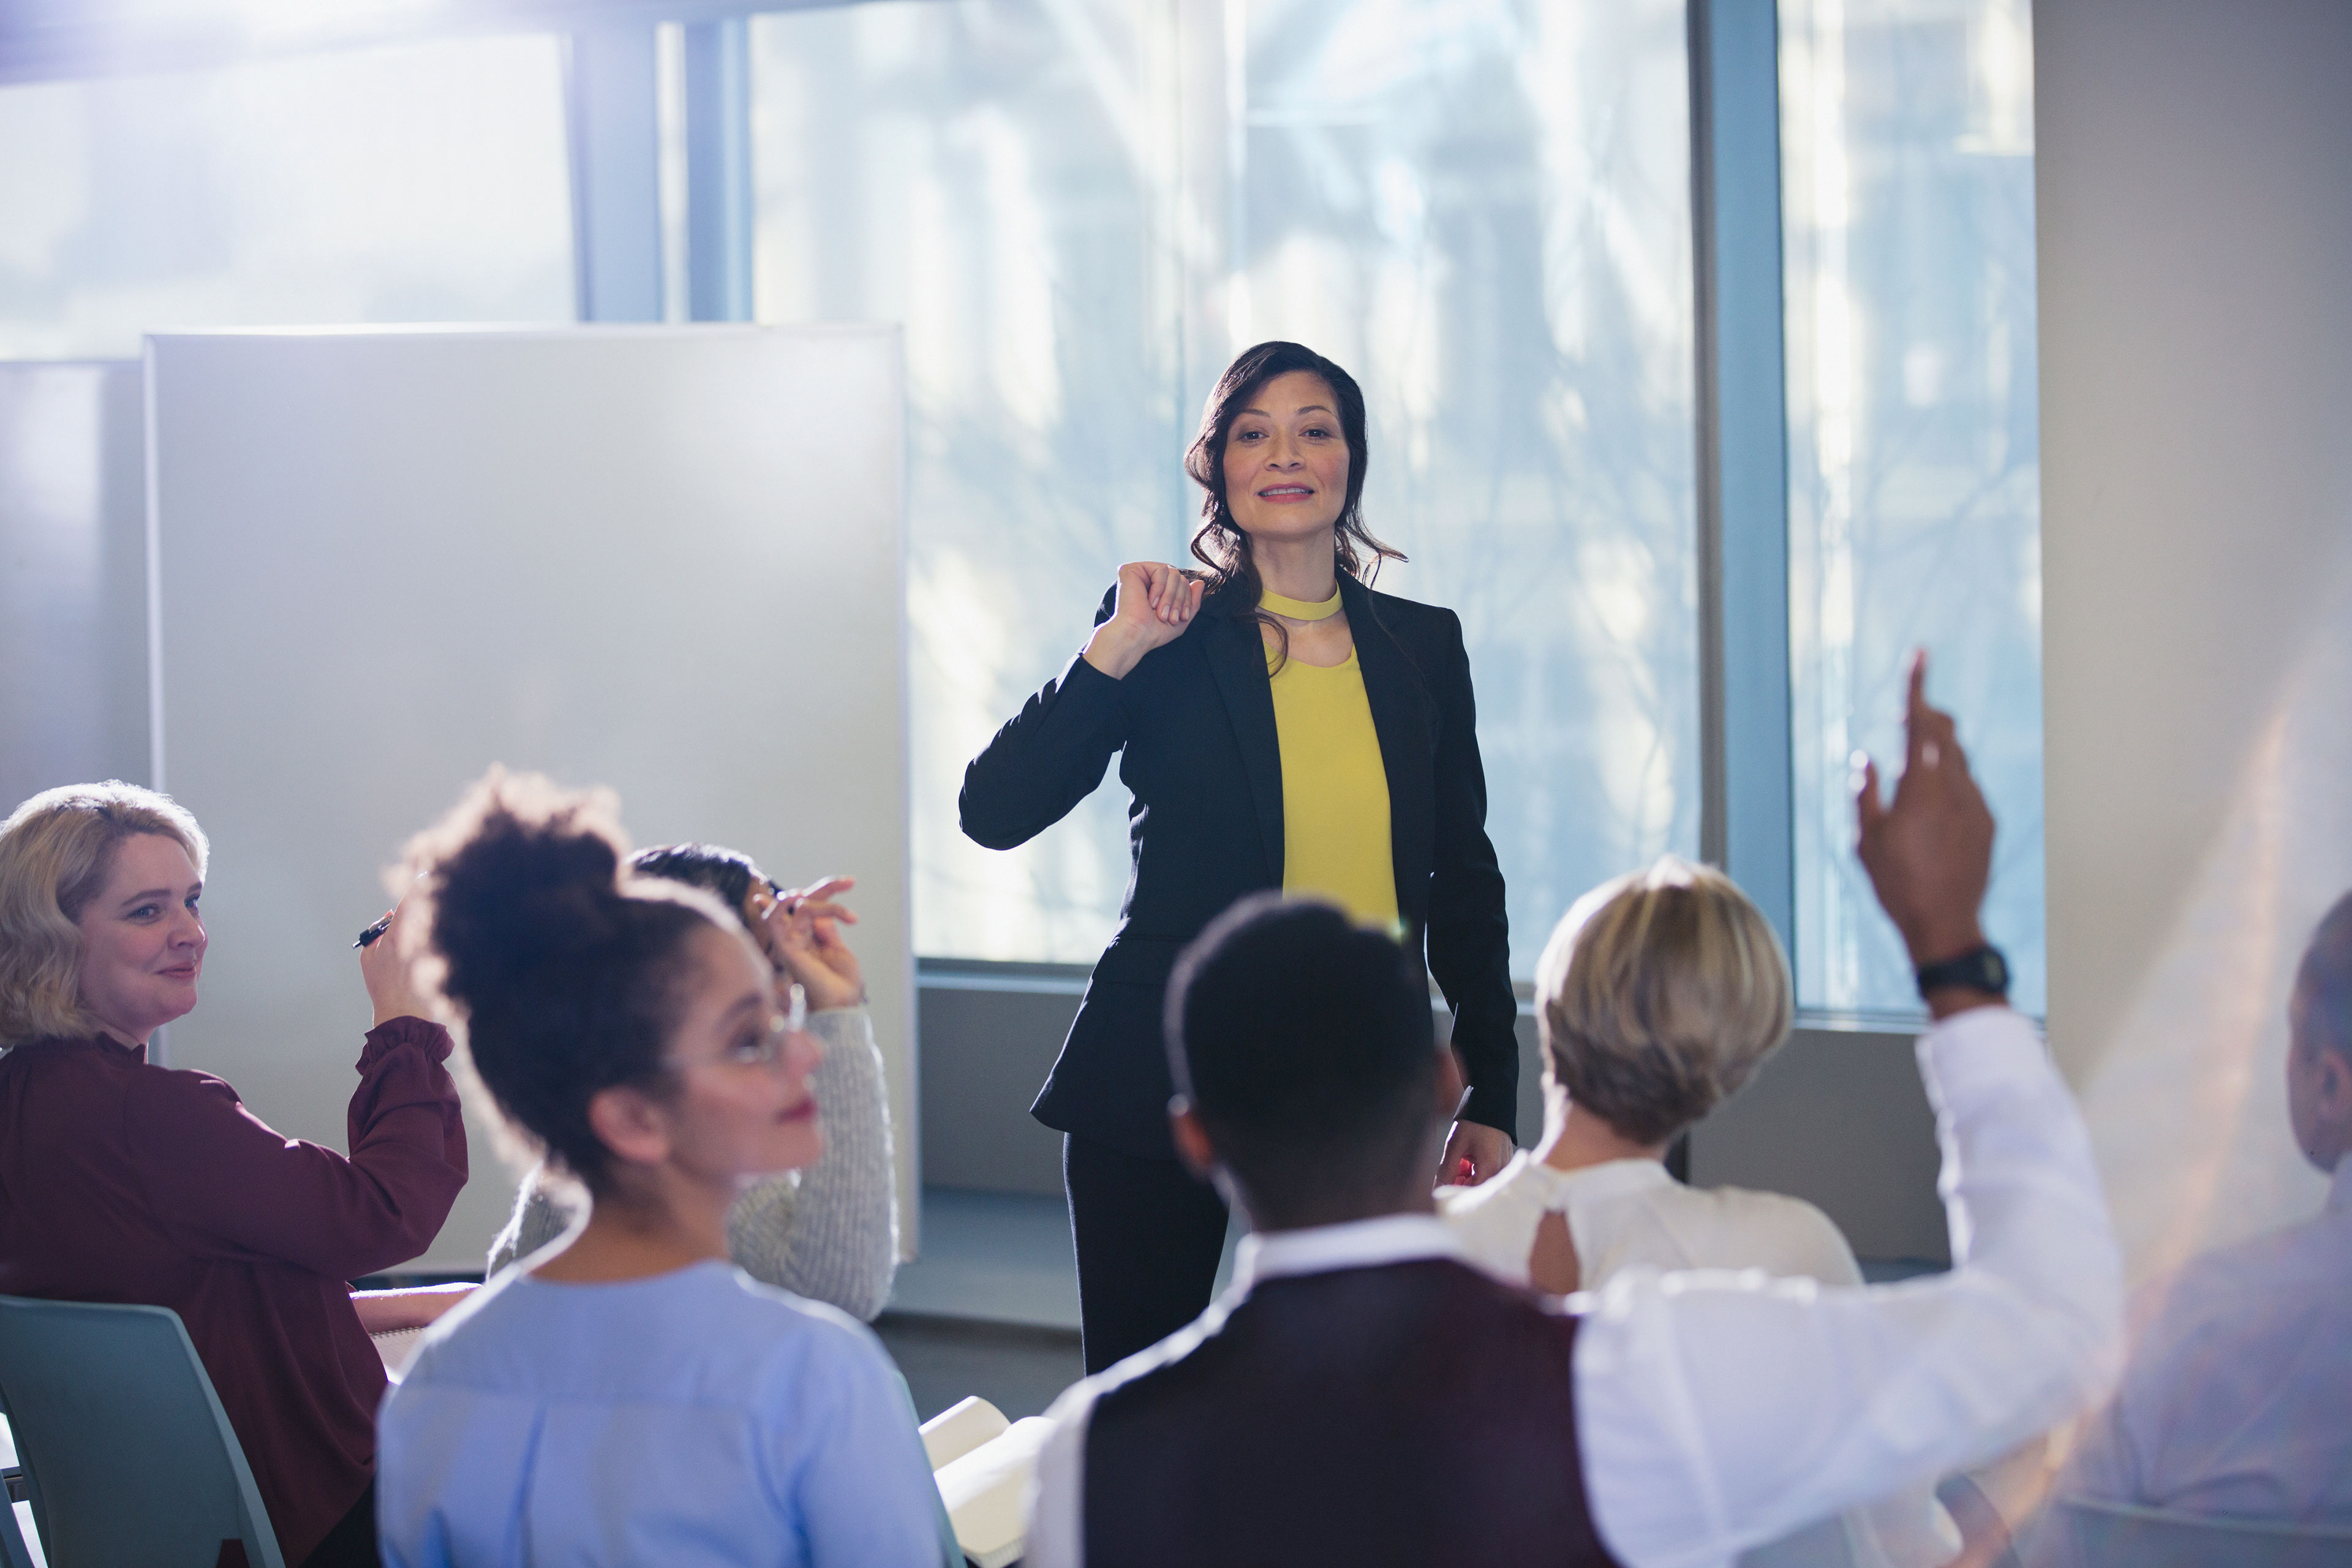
column 1351, row 1318
column 1410, row 620
column 1412, row 612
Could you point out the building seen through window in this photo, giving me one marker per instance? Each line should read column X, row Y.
column 1915, row 477
column 1001, row 178
column 1481, row 209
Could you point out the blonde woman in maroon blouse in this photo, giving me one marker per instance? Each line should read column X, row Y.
column 122, row 1182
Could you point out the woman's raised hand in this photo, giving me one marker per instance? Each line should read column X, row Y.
column 384, row 968
column 801, row 929
column 1156, row 603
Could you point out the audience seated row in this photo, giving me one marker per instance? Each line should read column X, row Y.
column 138, row 1184
column 1581, row 1360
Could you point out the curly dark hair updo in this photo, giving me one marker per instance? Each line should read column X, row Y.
column 569, row 978
column 1234, row 586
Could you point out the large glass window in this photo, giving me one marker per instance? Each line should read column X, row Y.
column 1079, row 209
column 999, row 177
column 415, row 183
column 1483, row 209
column 1079, row 213
column 1914, row 513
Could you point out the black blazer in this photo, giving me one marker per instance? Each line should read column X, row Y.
column 1195, row 721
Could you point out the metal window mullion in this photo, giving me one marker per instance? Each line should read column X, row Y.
column 611, row 105
column 719, row 198
column 1747, row 822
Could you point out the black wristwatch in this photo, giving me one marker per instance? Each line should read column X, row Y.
column 1978, row 969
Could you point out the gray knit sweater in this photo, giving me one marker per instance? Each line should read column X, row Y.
column 829, row 1233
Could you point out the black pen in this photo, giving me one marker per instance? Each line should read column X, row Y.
column 374, row 931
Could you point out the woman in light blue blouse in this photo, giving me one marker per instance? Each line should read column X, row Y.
column 633, row 1398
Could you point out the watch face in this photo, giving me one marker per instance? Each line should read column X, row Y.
column 1983, row 970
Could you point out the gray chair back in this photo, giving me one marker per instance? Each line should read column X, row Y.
column 12, row 1524
column 128, row 1457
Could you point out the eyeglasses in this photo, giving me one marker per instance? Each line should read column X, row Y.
column 764, row 1049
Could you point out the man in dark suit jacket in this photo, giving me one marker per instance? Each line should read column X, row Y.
column 1363, row 1395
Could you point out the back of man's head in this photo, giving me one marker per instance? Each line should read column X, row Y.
column 2326, row 981
column 2319, row 1056
column 1305, row 1046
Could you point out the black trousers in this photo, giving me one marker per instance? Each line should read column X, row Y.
column 1149, row 1235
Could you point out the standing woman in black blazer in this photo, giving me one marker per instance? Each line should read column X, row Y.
column 1283, row 726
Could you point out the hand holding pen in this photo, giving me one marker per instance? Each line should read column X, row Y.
column 384, row 968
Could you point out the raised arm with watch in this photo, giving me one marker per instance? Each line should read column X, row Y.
column 1929, row 855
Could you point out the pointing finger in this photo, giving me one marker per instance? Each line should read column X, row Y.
column 1918, row 719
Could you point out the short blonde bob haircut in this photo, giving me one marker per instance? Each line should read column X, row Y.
column 56, row 851
column 1658, row 996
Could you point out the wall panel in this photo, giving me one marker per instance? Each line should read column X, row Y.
column 667, row 560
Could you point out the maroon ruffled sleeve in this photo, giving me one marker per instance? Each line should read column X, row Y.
column 232, row 1187
column 124, row 1182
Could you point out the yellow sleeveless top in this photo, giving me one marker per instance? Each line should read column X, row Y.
column 1335, row 793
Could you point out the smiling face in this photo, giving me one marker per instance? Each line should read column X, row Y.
column 143, row 943
column 1286, row 461
column 738, row 1113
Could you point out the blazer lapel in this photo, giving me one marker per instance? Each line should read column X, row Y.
column 1237, row 653
column 1401, row 717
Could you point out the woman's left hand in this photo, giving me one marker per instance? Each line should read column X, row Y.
column 1487, row 1149
column 801, row 929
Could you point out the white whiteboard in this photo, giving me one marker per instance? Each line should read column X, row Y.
column 668, row 560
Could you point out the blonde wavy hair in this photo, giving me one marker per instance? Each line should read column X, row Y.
column 56, row 851
column 1659, row 995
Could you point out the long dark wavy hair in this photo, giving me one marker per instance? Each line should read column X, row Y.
column 1234, row 586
